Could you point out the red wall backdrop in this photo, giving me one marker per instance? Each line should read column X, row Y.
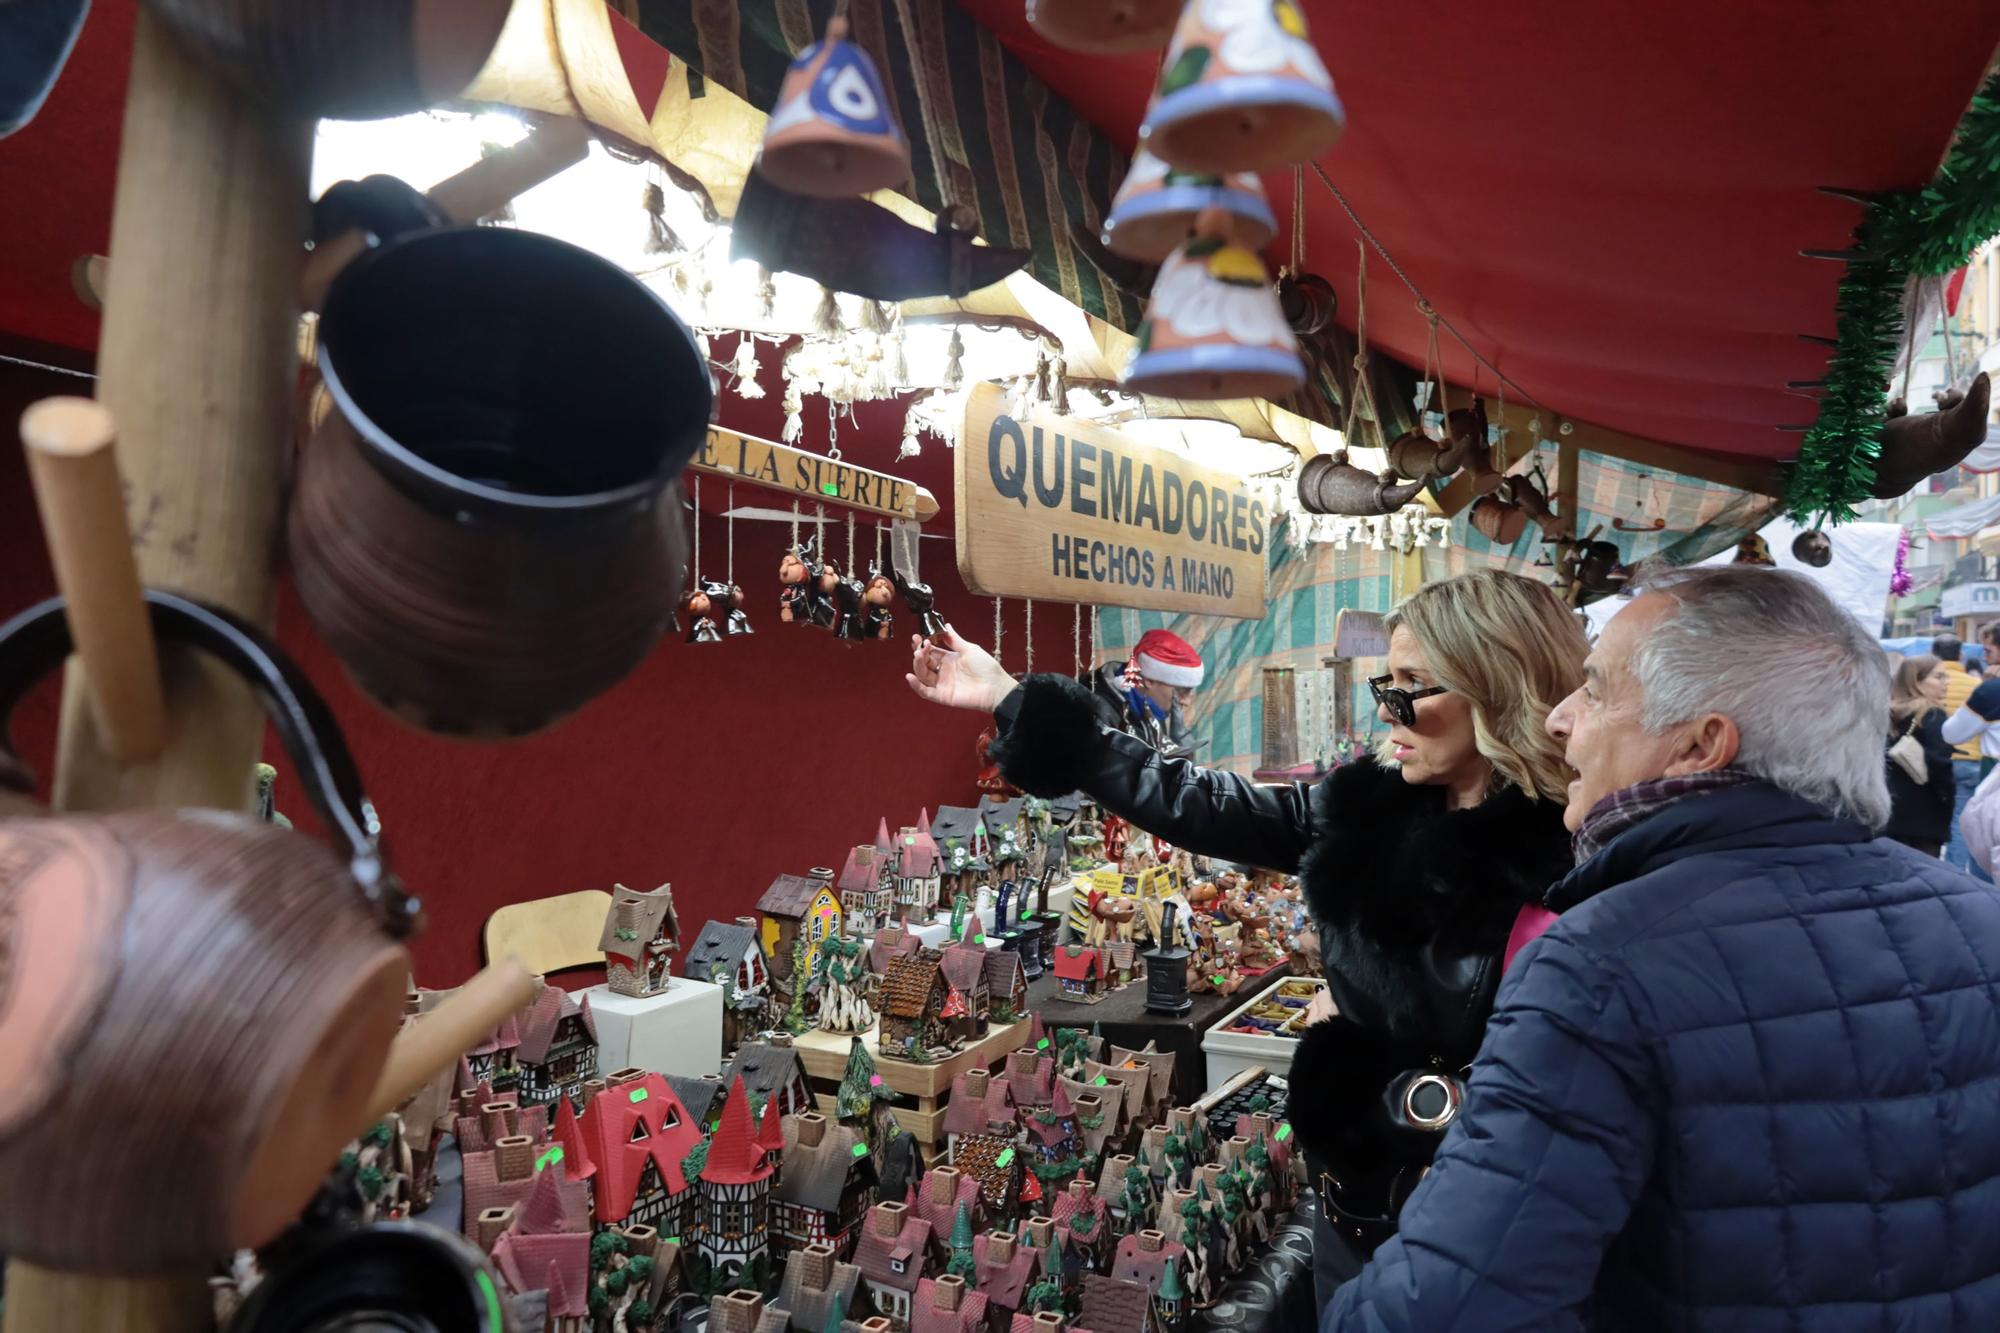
column 713, row 767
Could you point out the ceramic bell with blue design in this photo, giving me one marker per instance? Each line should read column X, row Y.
column 1214, row 329
column 1242, row 90
column 832, row 134
column 1105, row 27
column 1155, row 210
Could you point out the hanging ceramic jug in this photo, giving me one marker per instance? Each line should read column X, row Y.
column 1105, row 27
column 1242, row 90
column 488, row 529
column 1498, row 520
column 1155, row 210
column 197, row 1003
column 1214, row 329
column 344, row 59
column 832, row 133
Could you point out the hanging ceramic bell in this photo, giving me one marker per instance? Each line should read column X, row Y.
column 1105, row 27
column 1214, row 329
column 1156, row 208
column 831, row 134
column 1242, row 90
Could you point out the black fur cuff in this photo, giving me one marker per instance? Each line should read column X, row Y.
column 1338, row 1075
column 1052, row 741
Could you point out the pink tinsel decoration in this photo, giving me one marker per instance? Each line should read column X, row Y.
column 1900, row 580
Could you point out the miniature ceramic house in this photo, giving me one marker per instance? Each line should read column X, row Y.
column 947, row 1305
column 889, row 944
column 1111, row 1306
column 892, row 1253
column 1006, row 986
column 701, row 1096
column 980, row 1105
column 745, row 1311
column 797, row 907
column 1010, row 831
column 1083, row 1224
column 539, row 1238
column 817, row 1286
column 937, row 1201
column 483, row 1117
column 965, row 972
column 772, row 1072
column 827, row 1183
column 494, row 1059
column 729, row 955
column 1080, row 972
column 961, row 837
column 502, row 1177
column 919, row 873
column 631, row 1143
column 867, row 886
column 558, row 1049
column 913, row 1001
column 1005, row 1267
column 640, row 935
column 736, row 1195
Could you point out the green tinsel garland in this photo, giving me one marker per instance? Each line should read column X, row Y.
column 1919, row 233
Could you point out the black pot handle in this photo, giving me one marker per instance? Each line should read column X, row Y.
column 36, row 642
column 383, row 206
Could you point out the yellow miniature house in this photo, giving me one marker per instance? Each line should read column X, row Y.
column 795, row 907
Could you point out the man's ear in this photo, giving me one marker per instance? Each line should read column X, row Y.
column 1708, row 743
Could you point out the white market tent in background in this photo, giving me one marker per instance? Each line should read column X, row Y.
column 1864, row 557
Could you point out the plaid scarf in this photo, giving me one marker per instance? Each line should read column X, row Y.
column 1627, row 809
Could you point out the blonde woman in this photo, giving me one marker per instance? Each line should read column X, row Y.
column 1921, row 792
column 1424, row 866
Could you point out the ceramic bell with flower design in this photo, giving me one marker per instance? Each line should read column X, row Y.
column 1105, row 27
column 1214, row 329
column 832, row 134
column 1242, row 90
column 1155, row 210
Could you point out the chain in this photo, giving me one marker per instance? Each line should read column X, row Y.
column 1076, row 638
column 832, row 431
column 1415, row 291
column 1028, row 634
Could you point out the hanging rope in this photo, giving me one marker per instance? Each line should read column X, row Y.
column 998, row 629
column 878, row 546
column 1028, row 635
column 1095, row 637
column 795, row 525
column 1076, row 639
column 850, row 543
column 1434, row 372
column 1297, row 264
column 1361, row 392
column 729, row 531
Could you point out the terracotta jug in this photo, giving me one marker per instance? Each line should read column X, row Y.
column 488, row 528
column 348, row 59
column 196, row 1004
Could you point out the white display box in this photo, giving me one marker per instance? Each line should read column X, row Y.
column 1230, row 1053
column 676, row 1032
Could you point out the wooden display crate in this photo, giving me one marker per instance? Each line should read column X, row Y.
column 824, row 1055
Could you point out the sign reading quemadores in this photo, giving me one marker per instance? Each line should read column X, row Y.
column 1057, row 509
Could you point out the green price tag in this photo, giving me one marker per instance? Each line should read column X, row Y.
column 1217, row 978
column 1042, row 1045
column 670, row 1240
column 640, row 1094
column 860, row 1150
column 829, row 488
column 1005, row 1159
column 549, row 1158
column 1284, row 1131
column 1100, row 1080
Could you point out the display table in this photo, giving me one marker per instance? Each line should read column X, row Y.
column 1125, row 1022
column 676, row 1032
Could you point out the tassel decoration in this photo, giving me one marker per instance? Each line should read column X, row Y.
column 744, row 368
column 954, row 362
column 660, row 238
column 795, row 423
column 767, row 293
column 826, row 319
column 875, row 318
column 1061, row 387
column 1041, row 377
column 899, row 369
column 910, row 447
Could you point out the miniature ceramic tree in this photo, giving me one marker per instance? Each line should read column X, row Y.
column 795, row 1014
column 1136, row 1199
column 840, row 974
column 1047, row 1295
column 962, row 1263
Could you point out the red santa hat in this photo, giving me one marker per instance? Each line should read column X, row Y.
column 1166, row 657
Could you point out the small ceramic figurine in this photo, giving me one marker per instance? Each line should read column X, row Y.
column 795, row 584
column 847, row 595
column 731, row 596
column 876, row 597
column 920, row 599
column 700, row 610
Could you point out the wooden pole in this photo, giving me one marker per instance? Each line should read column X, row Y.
column 195, row 364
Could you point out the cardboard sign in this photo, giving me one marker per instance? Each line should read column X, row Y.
column 1056, row 509
column 1359, row 634
column 780, row 467
column 1107, row 882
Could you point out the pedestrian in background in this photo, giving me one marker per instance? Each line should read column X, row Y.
column 1921, row 781
column 1965, row 767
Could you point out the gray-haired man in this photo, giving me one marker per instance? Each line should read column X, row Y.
column 1750, row 1078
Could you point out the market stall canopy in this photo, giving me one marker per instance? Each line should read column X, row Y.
column 1964, row 520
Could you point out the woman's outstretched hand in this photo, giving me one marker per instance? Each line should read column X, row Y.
column 949, row 670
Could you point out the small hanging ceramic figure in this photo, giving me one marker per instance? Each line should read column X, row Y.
column 728, row 598
column 848, row 595
column 920, row 599
column 700, row 608
column 826, row 593
column 795, row 585
column 876, row 597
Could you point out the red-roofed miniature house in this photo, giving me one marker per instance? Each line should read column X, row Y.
column 947, row 1305
column 1079, row 971
column 735, row 1190
column 633, row 1138
column 492, row 1060
column 537, row 1252
column 867, row 886
column 938, row 1197
column 502, row 1177
column 558, row 1049
column 892, row 1252
column 1005, row 1268
column 919, row 872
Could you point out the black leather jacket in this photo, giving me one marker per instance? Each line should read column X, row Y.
column 1414, row 903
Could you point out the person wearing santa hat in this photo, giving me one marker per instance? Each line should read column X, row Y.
column 1147, row 695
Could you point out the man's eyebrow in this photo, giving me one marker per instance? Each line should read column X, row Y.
column 1590, row 670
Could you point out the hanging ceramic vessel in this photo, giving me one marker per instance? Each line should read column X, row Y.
column 1242, row 90
column 1499, row 521
column 1329, row 484
column 1214, row 329
column 1105, row 27
column 831, row 134
column 1155, row 211
column 1915, row 447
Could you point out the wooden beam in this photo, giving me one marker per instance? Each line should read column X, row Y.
column 1569, row 459
column 809, row 476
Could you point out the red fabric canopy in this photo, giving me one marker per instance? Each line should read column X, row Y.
column 1608, row 200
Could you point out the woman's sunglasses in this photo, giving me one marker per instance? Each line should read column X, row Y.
column 1401, row 703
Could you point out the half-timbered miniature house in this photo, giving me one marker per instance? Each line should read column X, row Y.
column 892, row 1254
column 1006, row 986
column 960, row 834
column 558, row 1049
column 965, row 973
column 640, row 935
column 913, row 1001
column 938, row 1197
column 631, row 1143
column 736, row 1196
column 867, row 887
column 826, row 1183
column 493, row 1059
column 772, row 1072
column 919, row 873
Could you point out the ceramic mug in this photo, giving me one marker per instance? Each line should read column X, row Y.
column 487, row 528
column 194, row 1005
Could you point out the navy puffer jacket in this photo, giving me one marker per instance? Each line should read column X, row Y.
column 1750, row 1080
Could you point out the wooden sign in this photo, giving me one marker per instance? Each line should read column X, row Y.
column 809, row 476
column 1359, row 634
column 1057, row 509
